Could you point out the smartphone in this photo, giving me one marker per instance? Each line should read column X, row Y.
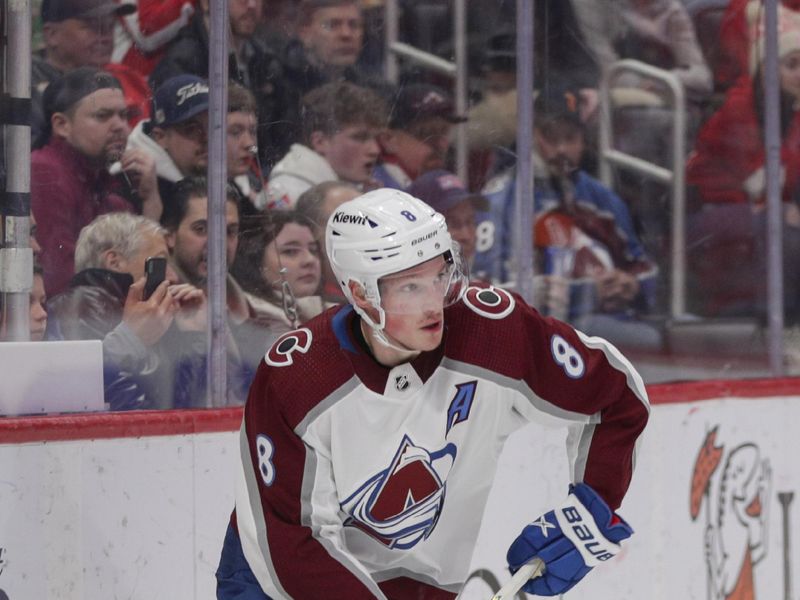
column 155, row 269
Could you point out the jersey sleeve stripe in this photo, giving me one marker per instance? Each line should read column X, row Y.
column 307, row 488
column 636, row 386
column 521, row 387
column 579, row 440
column 252, row 526
column 620, row 363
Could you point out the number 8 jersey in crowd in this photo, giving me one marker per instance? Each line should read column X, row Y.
column 361, row 481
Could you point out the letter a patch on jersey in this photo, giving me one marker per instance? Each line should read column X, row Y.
column 461, row 404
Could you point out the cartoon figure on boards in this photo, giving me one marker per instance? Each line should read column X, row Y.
column 736, row 533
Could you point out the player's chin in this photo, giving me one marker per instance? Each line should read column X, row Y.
column 430, row 344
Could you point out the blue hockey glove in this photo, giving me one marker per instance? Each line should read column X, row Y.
column 571, row 540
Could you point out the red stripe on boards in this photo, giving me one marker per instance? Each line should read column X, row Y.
column 92, row 426
column 148, row 423
column 692, row 391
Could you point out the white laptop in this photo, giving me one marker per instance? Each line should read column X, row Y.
column 51, row 377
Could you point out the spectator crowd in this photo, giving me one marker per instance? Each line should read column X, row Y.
column 120, row 126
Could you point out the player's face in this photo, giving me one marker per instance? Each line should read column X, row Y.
column 296, row 250
column 189, row 243
column 351, row 152
column 561, row 147
column 413, row 301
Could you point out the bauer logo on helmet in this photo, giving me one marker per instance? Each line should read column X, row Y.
column 428, row 236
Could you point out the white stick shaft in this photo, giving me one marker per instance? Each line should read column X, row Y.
column 529, row 571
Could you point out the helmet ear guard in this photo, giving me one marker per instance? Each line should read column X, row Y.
column 384, row 232
column 373, row 299
column 459, row 275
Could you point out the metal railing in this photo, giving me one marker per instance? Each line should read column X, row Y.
column 674, row 177
column 16, row 256
column 456, row 70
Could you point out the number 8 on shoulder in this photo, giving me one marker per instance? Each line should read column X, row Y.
column 525, row 573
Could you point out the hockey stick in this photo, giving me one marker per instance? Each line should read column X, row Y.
column 528, row 571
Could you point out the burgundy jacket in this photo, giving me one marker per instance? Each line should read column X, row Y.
column 67, row 193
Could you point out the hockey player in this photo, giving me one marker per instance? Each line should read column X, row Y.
column 371, row 435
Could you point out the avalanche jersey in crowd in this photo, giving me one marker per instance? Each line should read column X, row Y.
column 599, row 235
column 363, row 481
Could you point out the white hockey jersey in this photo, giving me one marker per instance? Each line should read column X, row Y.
column 361, row 481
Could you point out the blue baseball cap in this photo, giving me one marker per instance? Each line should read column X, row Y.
column 179, row 99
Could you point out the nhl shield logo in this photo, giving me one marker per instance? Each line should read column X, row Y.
column 400, row 505
column 401, row 383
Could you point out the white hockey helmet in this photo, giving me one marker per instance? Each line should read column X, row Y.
column 383, row 232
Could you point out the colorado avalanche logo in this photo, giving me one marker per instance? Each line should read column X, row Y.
column 400, row 506
column 280, row 354
column 491, row 302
